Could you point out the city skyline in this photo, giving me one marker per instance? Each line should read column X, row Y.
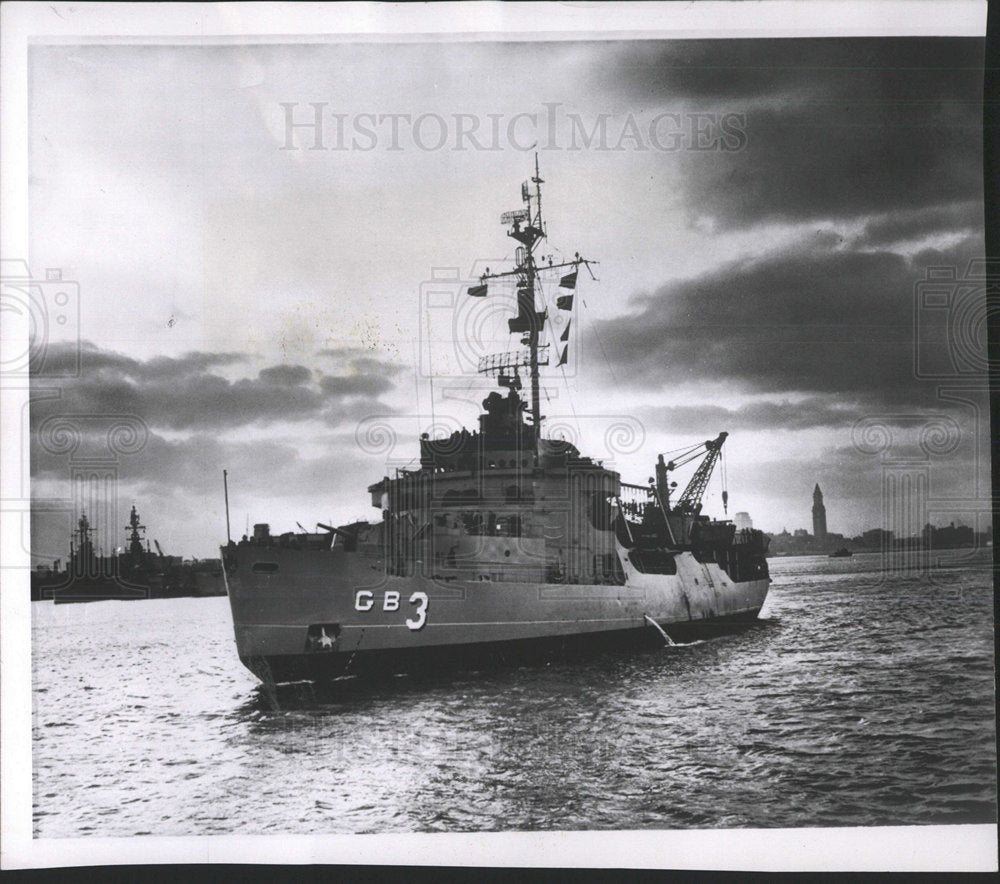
column 955, row 533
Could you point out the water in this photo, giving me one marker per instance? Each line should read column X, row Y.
column 864, row 697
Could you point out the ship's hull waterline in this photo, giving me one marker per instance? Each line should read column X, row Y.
column 314, row 615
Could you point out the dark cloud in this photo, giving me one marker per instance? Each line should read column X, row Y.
column 928, row 69
column 708, row 419
column 372, row 366
column 355, row 385
column 361, row 361
column 834, row 412
column 804, row 163
column 289, row 375
column 191, row 402
column 907, row 226
column 191, row 464
column 189, row 363
column 835, row 129
column 812, row 318
column 258, row 467
column 184, row 394
column 63, row 358
column 341, row 352
column 355, row 410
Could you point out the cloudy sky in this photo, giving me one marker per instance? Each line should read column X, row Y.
column 285, row 303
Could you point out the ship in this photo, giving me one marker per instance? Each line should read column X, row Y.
column 842, row 553
column 132, row 573
column 503, row 545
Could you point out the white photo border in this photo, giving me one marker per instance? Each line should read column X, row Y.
column 917, row 848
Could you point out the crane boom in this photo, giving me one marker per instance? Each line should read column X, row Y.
column 690, row 500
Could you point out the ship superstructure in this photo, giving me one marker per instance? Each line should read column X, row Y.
column 502, row 542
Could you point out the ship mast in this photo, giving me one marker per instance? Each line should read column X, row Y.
column 528, row 228
column 529, row 264
column 81, row 558
column 134, row 537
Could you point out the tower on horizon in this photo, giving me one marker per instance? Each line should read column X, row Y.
column 819, row 515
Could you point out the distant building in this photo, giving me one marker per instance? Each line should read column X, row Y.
column 819, row 515
column 742, row 521
column 877, row 538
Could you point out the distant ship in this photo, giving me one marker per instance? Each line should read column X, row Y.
column 135, row 573
column 842, row 553
column 502, row 545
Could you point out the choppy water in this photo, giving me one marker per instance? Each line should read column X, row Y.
column 865, row 697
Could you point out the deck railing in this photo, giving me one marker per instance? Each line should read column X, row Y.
column 635, row 498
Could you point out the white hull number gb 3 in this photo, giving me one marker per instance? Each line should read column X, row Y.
column 365, row 601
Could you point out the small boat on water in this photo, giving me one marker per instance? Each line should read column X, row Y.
column 503, row 544
column 842, row 553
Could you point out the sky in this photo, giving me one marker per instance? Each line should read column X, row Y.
column 283, row 299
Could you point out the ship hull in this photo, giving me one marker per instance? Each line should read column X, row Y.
column 63, row 588
column 301, row 614
column 283, row 668
column 93, row 589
